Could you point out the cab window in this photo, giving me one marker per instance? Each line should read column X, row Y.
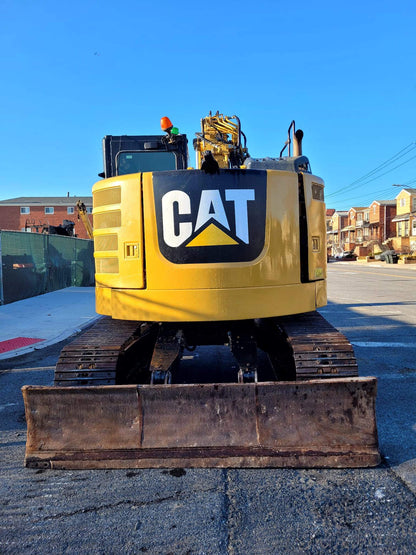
column 133, row 162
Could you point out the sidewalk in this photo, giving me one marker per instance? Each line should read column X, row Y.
column 41, row 321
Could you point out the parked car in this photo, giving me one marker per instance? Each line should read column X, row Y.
column 346, row 255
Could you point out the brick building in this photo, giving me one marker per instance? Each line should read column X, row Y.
column 33, row 214
column 382, row 226
column 357, row 230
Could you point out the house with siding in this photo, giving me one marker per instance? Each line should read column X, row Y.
column 339, row 220
column 329, row 234
column 405, row 221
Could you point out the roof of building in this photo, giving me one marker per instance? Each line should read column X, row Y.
column 385, row 202
column 330, row 211
column 401, row 217
column 408, row 190
column 342, row 212
column 359, row 208
column 45, row 201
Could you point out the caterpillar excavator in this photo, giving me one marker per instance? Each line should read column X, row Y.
column 210, row 351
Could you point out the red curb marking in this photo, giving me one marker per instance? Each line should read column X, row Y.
column 17, row 343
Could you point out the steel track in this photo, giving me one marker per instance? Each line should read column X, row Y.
column 318, row 350
column 92, row 358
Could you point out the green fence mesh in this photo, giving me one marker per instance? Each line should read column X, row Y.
column 34, row 263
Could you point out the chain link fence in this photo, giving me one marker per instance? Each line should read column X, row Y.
column 33, row 263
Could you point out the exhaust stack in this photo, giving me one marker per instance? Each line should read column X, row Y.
column 297, row 142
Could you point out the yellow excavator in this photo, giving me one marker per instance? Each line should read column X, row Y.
column 230, row 254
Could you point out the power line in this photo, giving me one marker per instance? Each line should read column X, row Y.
column 377, row 177
column 358, row 182
column 389, row 171
column 382, row 194
column 361, row 200
column 390, row 190
column 397, row 156
column 373, row 195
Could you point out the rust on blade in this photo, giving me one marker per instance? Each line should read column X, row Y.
column 329, row 423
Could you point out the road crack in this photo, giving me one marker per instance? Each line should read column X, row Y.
column 127, row 502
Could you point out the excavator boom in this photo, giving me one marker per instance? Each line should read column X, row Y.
column 83, row 216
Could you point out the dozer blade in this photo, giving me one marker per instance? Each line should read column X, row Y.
column 313, row 423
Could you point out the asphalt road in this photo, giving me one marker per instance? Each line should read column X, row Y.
column 375, row 307
column 235, row 511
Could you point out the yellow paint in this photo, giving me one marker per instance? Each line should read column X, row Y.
column 321, row 296
column 315, row 210
column 147, row 286
column 117, row 223
column 220, row 135
column 408, row 202
column 211, row 236
column 203, row 305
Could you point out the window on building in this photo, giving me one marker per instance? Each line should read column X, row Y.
column 70, row 210
column 366, row 216
column 374, row 209
column 49, row 210
column 413, row 204
column 359, row 217
column 414, row 227
column 89, row 209
column 403, row 229
column 402, row 202
column 25, row 209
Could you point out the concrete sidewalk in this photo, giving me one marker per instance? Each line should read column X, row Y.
column 41, row 321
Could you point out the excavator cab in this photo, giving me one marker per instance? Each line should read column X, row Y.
column 128, row 154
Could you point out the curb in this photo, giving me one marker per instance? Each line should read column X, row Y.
column 48, row 342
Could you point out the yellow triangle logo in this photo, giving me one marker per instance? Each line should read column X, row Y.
column 211, row 236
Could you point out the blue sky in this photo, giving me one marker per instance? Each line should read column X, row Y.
column 74, row 72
